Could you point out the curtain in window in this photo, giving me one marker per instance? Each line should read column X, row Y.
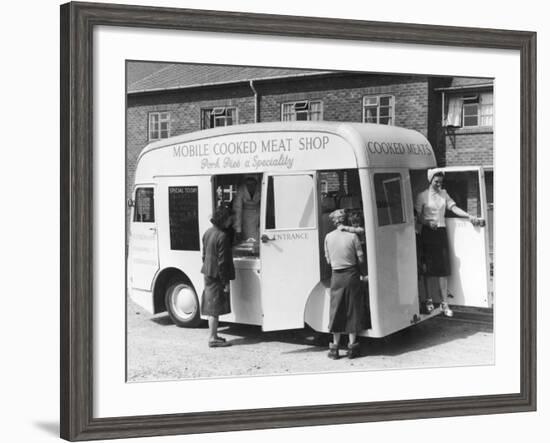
column 287, row 112
column 486, row 109
column 206, row 119
column 370, row 114
column 454, row 112
column 315, row 110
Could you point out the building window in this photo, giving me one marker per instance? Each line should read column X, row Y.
column 304, row 110
column 477, row 110
column 379, row 109
column 212, row 118
column 470, row 110
column 159, row 125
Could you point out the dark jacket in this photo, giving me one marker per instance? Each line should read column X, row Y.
column 217, row 257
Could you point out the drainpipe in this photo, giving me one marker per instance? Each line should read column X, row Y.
column 443, row 139
column 256, row 102
column 442, row 108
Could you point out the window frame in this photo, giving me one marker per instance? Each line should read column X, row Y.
column 306, row 104
column 270, row 198
column 378, row 106
column 135, row 207
column 159, row 122
column 471, row 100
column 216, row 112
column 400, row 179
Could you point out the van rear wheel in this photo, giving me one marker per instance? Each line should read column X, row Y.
column 182, row 304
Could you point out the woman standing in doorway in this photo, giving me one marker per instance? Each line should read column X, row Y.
column 430, row 206
column 218, row 270
column 247, row 210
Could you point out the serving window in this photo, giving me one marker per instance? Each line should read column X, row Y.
column 242, row 193
column 338, row 189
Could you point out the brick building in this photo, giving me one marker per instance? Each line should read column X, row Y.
column 164, row 100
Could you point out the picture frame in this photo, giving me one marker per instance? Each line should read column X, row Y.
column 77, row 219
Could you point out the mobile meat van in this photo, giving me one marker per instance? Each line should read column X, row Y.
column 305, row 170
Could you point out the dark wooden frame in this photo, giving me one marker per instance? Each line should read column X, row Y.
column 77, row 23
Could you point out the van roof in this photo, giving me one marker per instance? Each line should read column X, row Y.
column 289, row 126
column 373, row 145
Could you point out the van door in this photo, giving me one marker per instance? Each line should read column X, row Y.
column 143, row 248
column 289, row 250
column 469, row 283
column 391, row 251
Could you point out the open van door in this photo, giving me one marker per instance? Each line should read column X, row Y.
column 289, row 249
column 469, row 283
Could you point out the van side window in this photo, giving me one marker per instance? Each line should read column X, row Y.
column 144, row 210
column 290, row 202
column 183, row 210
column 389, row 200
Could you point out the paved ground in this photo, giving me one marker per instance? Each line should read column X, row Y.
column 158, row 350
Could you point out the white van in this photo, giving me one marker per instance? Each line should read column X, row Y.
column 306, row 170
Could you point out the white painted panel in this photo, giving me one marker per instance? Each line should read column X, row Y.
column 290, row 258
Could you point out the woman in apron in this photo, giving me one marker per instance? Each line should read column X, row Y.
column 247, row 210
column 430, row 206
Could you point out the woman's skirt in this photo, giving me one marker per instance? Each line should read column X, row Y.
column 435, row 252
column 348, row 312
column 215, row 301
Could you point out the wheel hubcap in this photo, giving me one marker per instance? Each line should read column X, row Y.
column 184, row 302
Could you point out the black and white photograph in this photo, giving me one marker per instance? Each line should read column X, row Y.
column 294, row 221
column 281, row 219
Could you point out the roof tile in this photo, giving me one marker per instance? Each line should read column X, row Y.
column 186, row 75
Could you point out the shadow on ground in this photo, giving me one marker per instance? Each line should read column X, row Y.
column 432, row 332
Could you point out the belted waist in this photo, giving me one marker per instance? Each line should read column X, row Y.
column 349, row 268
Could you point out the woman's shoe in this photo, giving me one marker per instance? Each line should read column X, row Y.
column 217, row 343
column 447, row 311
column 429, row 305
column 353, row 350
column 333, row 351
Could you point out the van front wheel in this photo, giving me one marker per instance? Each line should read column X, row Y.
column 182, row 305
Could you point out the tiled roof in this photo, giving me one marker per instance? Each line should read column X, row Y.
column 186, row 75
column 140, row 70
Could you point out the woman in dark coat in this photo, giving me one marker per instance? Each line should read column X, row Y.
column 218, row 270
column 344, row 254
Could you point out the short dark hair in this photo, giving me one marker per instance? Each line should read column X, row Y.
column 356, row 217
column 220, row 216
column 437, row 174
